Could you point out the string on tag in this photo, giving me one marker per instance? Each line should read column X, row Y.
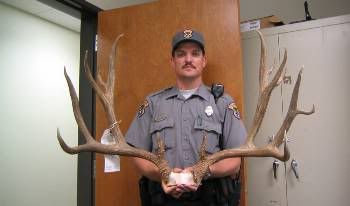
column 113, row 125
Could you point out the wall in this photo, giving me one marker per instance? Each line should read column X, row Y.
column 292, row 10
column 34, row 102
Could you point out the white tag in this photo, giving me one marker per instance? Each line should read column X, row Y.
column 112, row 162
column 184, row 178
column 249, row 26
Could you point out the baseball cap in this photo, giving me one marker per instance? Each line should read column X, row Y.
column 188, row 35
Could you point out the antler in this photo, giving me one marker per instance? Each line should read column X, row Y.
column 249, row 149
column 105, row 91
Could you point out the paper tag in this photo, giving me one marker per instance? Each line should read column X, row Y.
column 249, row 26
column 112, row 162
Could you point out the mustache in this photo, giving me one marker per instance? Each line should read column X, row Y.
column 188, row 64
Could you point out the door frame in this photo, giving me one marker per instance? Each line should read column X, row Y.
column 87, row 13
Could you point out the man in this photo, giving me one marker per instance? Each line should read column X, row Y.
column 181, row 114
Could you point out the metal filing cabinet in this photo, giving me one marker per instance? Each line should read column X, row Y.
column 319, row 143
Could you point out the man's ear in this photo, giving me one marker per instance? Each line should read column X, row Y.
column 172, row 63
column 204, row 61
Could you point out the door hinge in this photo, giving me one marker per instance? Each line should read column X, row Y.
column 94, row 169
column 96, row 42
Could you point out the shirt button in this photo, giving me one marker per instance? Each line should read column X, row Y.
column 186, row 155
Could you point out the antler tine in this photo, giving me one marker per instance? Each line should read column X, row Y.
column 64, row 146
column 199, row 170
column 111, row 70
column 263, row 74
column 76, row 110
column 263, row 101
column 100, row 81
column 202, row 152
column 100, row 93
column 78, row 117
column 162, row 163
column 107, row 96
column 161, row 147
column 291, row 114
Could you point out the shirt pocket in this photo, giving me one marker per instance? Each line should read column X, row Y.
column 213, row 131
column 165, row 128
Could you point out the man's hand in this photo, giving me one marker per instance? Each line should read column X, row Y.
column 173, row 190
column 176, row 190
column 190, row 187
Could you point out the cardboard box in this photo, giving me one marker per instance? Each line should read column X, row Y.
column 264, row 22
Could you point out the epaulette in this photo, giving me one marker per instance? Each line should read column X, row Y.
column 159, row 92
column 225, row 99
column 149, row 99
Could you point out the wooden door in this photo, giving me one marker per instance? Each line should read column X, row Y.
column 143, row 67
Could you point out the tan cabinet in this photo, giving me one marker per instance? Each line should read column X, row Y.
column 318, row 143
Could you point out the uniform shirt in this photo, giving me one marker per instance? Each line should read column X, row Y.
column 182, row 123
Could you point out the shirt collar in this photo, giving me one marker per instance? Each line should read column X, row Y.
column 203, row 92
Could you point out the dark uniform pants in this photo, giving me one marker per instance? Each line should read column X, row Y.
column 214, row 192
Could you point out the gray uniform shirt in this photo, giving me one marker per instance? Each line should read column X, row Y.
column 182, row 122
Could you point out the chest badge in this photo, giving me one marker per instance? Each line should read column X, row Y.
column 209, row 111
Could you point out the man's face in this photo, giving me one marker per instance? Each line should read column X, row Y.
column 188, row 61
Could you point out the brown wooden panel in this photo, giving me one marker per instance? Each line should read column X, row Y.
column 143, row 67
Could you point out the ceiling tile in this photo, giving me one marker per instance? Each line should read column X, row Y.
column 112, row 4
column 46, row 12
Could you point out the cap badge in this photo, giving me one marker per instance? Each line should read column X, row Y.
column 187, row 33
column 209, row 111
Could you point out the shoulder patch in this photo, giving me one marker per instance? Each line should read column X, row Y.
column 232, row 106
column 142, row 108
